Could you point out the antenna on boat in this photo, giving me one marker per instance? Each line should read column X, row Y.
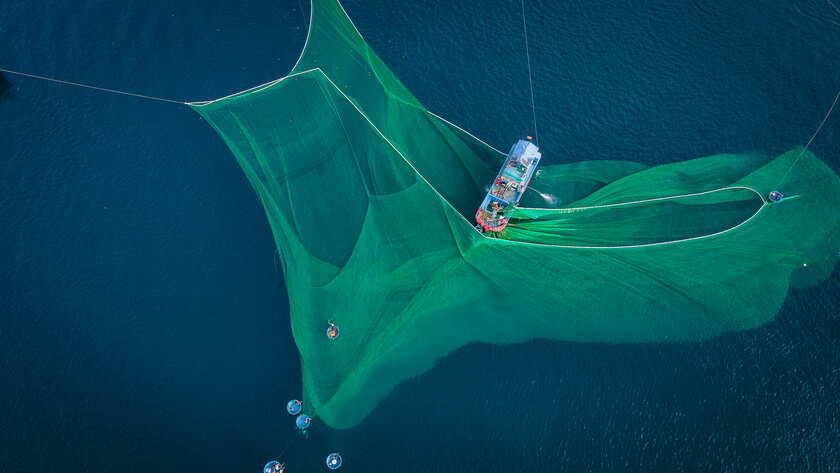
column 530, row 80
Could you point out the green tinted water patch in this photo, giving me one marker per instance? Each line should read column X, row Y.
column 371, row 200
column 638, row 223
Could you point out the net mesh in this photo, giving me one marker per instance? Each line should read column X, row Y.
column 371, row 201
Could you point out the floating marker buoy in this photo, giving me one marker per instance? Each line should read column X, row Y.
column 775, row 196
column 302, row 421
column 334, row 461
column 293, row 407
column 332, row 331
column 273, row 467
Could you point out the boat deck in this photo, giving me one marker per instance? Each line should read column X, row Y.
column 508, row 186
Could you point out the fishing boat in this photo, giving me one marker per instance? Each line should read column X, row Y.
column 508, row 187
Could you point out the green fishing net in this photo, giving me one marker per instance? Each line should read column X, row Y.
column 371, row 200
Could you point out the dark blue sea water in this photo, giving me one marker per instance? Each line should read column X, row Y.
column 144, row 325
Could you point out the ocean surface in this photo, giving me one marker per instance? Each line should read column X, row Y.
column 144, row 325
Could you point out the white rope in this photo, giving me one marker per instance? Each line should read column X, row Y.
column 530, row 80
column 288, row 445
column 458, row 127
column 645, row 245
column 303, row 14
column 525, row 243
column 645, row 201
column 92, row 87
column 812, row 138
